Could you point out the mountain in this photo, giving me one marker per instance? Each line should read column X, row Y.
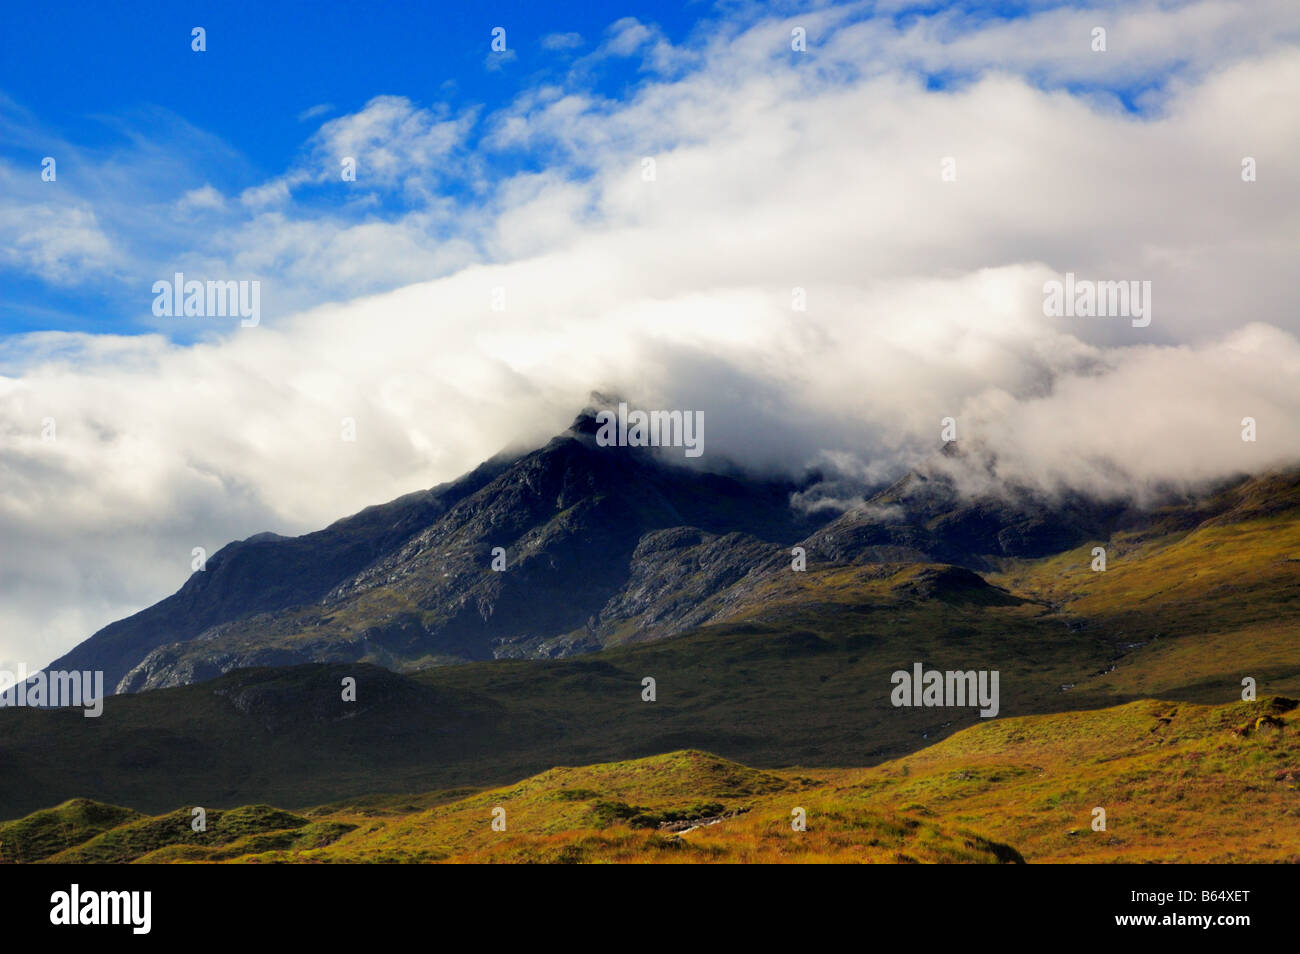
column 410, row 583
column 926, row 516
column 791, row 668
column 602, row 546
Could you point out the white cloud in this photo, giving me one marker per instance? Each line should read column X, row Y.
column 314, row 112
column 561, row 41
column 204, row 198
column 628, row 35
column 497, row 59
column 392, row 140
column 268, row 194
column 61, row 243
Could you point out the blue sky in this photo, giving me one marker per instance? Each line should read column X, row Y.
column 267, row 62
column 114, row 76
column 135, row 120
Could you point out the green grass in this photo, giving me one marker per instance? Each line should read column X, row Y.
column 1179, row 783
column 47, row 832
column 141, row 836
column 563, row 815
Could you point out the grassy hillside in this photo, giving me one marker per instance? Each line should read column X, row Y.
column 1179, row 782
column 1196, row 599
column 46, row 832
column 659, row 809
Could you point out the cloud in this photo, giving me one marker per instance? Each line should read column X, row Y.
column 266, row 195
column 561, row 41
column 314, row 112
column 497, row 59
column 628, row 35
column 204, row 198
column 779, row 182
column 392, row 140
column 63, row 243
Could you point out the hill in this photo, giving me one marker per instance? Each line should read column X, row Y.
column 1178, row 782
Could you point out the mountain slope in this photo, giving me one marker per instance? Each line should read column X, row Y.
column 265, row 573
column 602, row 546
column 410, row 583
column 804, row 676
column 1177, row 782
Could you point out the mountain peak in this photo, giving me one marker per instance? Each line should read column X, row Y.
column 585, row 423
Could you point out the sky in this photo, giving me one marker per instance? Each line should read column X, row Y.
column 826, row 226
